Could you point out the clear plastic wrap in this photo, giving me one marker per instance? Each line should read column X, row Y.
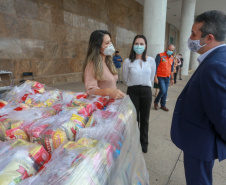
column 55, row 130
column 47, row 99
column 19, row 160
column 89, row 104
column 106, row 152
column 15, row 124
column 92, row 140
column 86, row 161
column 18, row 94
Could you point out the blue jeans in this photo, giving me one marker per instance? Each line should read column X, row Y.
column 163, row 88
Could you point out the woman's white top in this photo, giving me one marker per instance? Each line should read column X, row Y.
column 139, row 72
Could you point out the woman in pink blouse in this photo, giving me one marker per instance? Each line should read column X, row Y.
column 99, row 72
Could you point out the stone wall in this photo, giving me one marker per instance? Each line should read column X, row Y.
column 50, row 37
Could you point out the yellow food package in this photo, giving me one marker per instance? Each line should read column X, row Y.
column 83, row 142
column 16, row 124
column 16, row 133
column 28, row 101
column 51, row 139
column 59, row 137
column 2, row 132
column 90, row 122
column 17, row 170
column 79, row 120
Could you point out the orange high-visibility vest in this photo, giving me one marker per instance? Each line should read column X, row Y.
column 164, row 68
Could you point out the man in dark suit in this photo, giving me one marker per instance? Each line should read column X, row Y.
column 199, row 120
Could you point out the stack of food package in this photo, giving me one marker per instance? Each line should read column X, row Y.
column 92, row 140
column 19, row 160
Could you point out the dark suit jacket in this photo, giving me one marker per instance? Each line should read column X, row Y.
column 199, row 119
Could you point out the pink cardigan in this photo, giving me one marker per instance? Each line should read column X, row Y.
column 91, row 84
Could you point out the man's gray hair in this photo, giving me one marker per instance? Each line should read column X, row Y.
column 214, row 23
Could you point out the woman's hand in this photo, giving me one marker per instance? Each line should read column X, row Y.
column 113, row 93
column 116, row 94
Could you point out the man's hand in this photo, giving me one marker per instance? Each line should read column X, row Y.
column 156, row 80
column 171, row 81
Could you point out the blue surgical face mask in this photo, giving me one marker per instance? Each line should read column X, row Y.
column 139, row 49
column 169, row 52
column 194, row 45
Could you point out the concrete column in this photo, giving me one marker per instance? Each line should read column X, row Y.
column 193, row 61
column 154, row 25
column 187, row 19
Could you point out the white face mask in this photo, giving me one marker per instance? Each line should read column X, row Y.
column 109, row 51
column 194, row 45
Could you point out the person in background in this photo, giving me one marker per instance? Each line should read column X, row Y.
column 156, row 87
column 138, row 73
column 99, row 72
column 177, row 64
column 117, row 59
column 164, row 64
column 181, row 65
column 199, row 119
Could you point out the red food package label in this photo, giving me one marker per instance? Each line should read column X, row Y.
column 37, row 130
column 2, row 104
column 81, row 96
column 37, row 85
column 23, row 99
column 41, row 156
column 103, row 100
column 98, row 105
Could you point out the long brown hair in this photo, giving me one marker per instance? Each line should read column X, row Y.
column 93, row 55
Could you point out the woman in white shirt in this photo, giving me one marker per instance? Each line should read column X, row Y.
column 138, row 73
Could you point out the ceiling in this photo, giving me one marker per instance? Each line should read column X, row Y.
column 174, row 9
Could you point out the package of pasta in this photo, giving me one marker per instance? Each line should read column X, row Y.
column 11, row 107
column 19, row 94
column 68, row 97
column 86, row 161
column 7, row 126
column 107, row 126
column 48, row 132
column 53, row 131
column 71, row 121
column 19, row 160
column 90, row 104
column 71, row 126
column 16, row 124
column 46, row 99
column 41, row 126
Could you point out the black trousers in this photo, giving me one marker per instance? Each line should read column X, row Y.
column 141, row 97
column 175, row 77
column 175, row 74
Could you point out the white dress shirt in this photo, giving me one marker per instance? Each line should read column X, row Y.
column 139, row 72
column 204, row 55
